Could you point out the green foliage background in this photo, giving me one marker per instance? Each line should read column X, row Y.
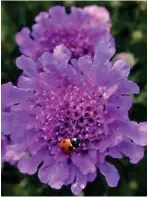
column 127, row 18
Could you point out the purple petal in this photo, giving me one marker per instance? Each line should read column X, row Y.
column 41, row 16
column 21, row 36
column 36, row 145
column 136, row 132
column 48, row 62
column 26, row 83
column 14, row 152
column 7, row 123
column 114, row 153
column 59, row 155
column 110, row 91
column 85, row 64
column 79, row 183
column 134, row 152
column 100, row 13
column 29, row 165
column 57, row 14
column 44, row 169
column 91, row 176
column 110, row 173
column 84, row 163
column 112, row 140
column 58, row 173
column 26, row 43
column 12, row 95
column 104, row 51
column 22, row 125
column 122, row 67
column 143, row 133
column 18, row 134
column 72, row 174
column 101, row 157
column 125, row 101
column 49, row 78
column 38, row 30
column 28, row 65
column 143, row 127
column 43, row 174
column 93, row 156
column 4, row 143
column 77, row 15
column 128, row 87
column 13, row 122
column 62, row 54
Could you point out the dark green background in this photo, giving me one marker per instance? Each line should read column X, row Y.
column 127, row 17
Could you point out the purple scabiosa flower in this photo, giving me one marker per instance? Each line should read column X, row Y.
column 85, row 99
column 78, row 31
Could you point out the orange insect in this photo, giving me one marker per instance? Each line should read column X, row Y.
column 69, row 145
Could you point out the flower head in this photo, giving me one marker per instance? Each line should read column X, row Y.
column 78, row 31
column 87, row 99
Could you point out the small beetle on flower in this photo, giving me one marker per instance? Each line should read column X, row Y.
column 69, row 145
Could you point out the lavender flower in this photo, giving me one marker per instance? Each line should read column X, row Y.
column 87, row 99
column 78, row 31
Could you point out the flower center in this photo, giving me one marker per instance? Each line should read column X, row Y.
column 74, row 40
column 71, row 114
